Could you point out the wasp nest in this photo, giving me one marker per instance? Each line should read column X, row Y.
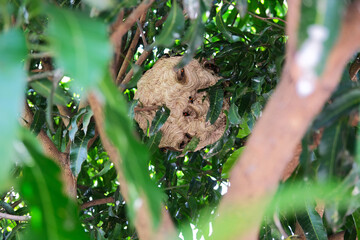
column 178, row 90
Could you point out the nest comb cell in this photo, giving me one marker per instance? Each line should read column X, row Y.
column 178, row 90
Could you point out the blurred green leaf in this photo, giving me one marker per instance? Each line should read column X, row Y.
column 78, row 149
column 244, row 129
column 173, row 27
column 241, row 6
column 216, row 103
column 135, row 156
column 13, row 79
column 43, row 87
column 342, row 105
column 160, row 118
column 230, row 162
column 81, row 46
column 53, row 215
column 311, row 222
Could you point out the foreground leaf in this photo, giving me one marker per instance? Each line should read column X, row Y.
column 53, row 215
column 80, row 44
column 12, row 79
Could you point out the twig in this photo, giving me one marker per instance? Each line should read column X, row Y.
column 150, row 108
column 97, row 202
column 174, row 187
column 140, row 61
column 130, row 52
column 14, row 217
column 267, row 20
column 129, row 22
column 41, row 76
column 142, row 33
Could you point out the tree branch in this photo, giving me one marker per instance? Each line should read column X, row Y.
column 97, row 202
column 143, row 221
column 140, row 61
column 14, row 217
column 129, row 22
column 255, row 177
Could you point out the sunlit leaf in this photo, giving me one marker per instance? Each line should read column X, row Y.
column 81, row 45
column 78, row 149
column 53, row 215
column 43, row 87
column 311, row 222
column 160, row 118
column 216, row 102
column 13, row 79
column 230, row 162
column 173, row 27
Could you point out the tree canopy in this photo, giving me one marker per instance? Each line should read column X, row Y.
column 76, row 165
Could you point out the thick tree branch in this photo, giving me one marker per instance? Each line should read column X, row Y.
column 255, row 177
column 143, row 222
column 14, row 217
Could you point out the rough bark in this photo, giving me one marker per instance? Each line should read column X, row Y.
column 271, row 146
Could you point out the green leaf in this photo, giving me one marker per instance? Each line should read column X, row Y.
column 222, row 27
column 356, row 218
column 43, row 87
column 13, row 79
column 87, row 117
column 160, row 118
column 103, row 171
column 53, row 215
column 191, row 146
column 135, row 156
column 153, row 142
column 341, row 106
column 234, row 116
column 80, row 44
column 194, row 38
column 244, row 129
column 38, row 122
column 329, row 148
column 173, row 27
column 311, row 222
column 74, row 124
column 230, row 162
column 216, row 103
column 78, row 149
